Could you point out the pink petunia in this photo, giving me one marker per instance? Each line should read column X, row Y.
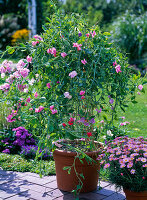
column 54, row 111
column 30, row 109
column 84, row 61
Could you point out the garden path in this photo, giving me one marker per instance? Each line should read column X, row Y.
column 29, row 186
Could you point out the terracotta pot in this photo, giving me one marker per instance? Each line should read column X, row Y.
column 130, row 195
column 69, row 182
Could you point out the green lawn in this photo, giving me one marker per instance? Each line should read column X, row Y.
column 17, row 163
column 136, row 114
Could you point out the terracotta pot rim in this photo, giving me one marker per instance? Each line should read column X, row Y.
column 70, row 153
column 144, row 193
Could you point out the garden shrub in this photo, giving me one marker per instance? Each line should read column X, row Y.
column 8, row 25
column 129, row 33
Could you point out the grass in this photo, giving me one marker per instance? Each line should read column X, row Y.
column 136, row 114
column 17, row 163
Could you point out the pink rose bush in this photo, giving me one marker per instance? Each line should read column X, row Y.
column 126, row 160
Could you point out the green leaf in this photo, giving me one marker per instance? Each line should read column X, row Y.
column 69, row 170
column 66, row 168
column 134, row 102
column 82, row 176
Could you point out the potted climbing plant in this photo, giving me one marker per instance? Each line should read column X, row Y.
column 126, row 160
column 75, row 78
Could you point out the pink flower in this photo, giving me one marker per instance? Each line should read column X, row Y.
column 48, row 85
column 63, row 54
column 82, row 92
column 30, row 109
column 67, row 95
column 10, row 118
column 73, row 74
column 138, row 93
column 117, row 68
column 82, row 97
column 52, row 51
column 41, row 108
column 37, row 110
column 38, row 37
column 132, row 171
column 143, row 159
column 54, row 111
column 126, row 160
column 93, row 33
column 145, row 165
column 140, row 87
column 143, row 177
column 129, row 165
column 24, row 72
column 84, row 61
column 35, row 94
column 52, row 107
column 114, row 63
column 123, row 117
column 88, row 34
column 102, row 121
column 122, row 124
column 122, row 165
column 121, row 174
column 34, row 43
column 29, row 59
column 28, row 100
column 77, row 45
column 106, row 165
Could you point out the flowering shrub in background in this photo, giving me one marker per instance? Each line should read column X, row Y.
column 12, row 143
column 126, row 160
column 30, row 151
column 20, row 36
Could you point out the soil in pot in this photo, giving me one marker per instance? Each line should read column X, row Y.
column 90, row 171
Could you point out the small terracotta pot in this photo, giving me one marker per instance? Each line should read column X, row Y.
column 130, row 195
column 69, row 182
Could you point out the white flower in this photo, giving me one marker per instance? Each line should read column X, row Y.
column 109, row 133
